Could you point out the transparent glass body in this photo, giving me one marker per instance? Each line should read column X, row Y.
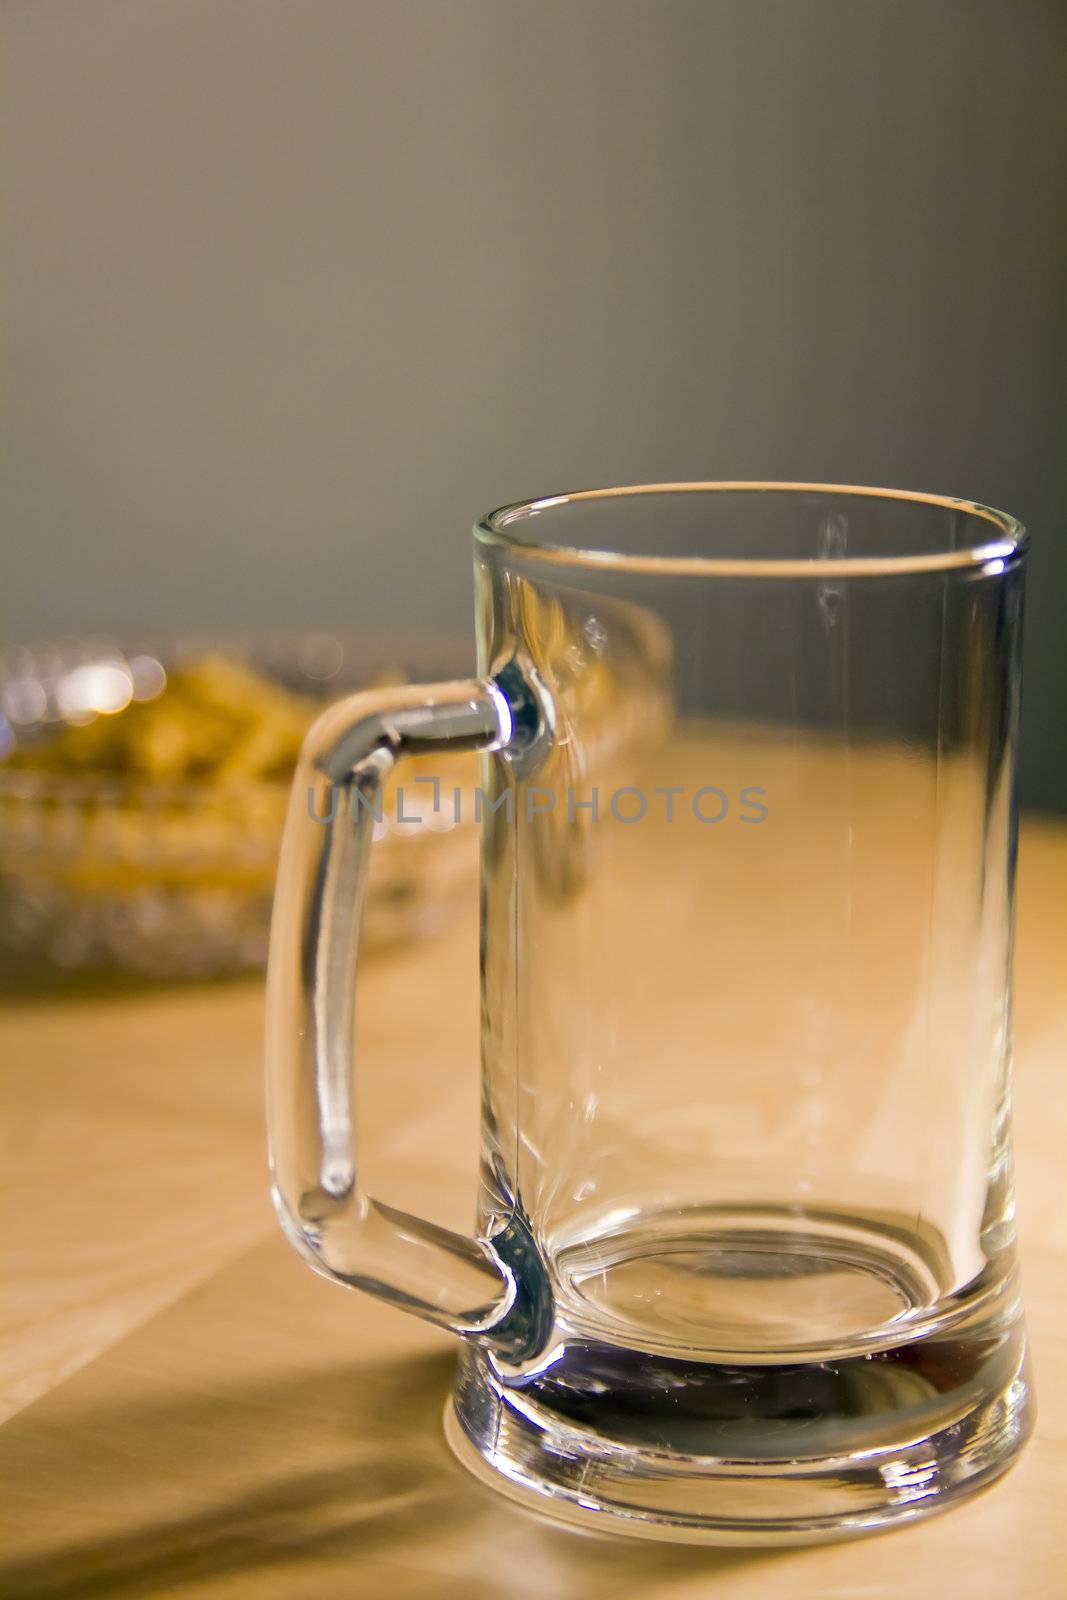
column 743, row 1267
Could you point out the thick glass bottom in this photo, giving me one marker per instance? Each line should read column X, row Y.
column 772, row 1283
column 622, row 1441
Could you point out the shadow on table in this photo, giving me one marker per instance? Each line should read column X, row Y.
column 384, row 1489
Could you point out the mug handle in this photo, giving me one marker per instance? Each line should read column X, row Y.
column 478, row 1288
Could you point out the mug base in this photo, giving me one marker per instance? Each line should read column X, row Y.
column 919, row 1460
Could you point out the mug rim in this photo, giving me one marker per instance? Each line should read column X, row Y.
column 495, row 530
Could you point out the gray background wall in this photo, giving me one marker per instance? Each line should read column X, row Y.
column 296, row 287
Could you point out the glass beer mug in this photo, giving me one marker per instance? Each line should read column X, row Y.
column 743, row 1266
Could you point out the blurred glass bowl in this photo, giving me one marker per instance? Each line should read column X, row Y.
column 163, row 869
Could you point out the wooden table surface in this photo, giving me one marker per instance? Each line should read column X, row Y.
column 190, row 1412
